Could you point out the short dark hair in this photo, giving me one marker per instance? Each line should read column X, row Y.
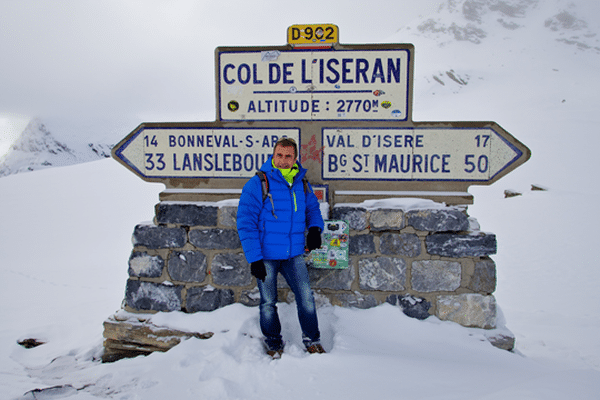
column 287, row 142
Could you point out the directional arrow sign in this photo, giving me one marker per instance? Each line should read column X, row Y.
column 446, row 153
column 163, row 151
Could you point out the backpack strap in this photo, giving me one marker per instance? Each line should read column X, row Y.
column 307, row 188
column 264, row 183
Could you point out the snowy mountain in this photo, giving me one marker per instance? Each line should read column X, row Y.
column 475, row 20
column 37, row 148
column 464, row 41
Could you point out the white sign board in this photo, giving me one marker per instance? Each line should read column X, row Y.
column 415, row 154
column 200, row 152
column 369, row 84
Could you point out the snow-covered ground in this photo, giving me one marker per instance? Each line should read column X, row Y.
column 65, row 240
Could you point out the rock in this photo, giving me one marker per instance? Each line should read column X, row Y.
column 152, row 296
column 30, row 343
column 383, row 220
column 355, row 216
column 456, row 245
column 435, row 275
column 444, row 220
column 132, row 338
column 228, row 216
column 186, row 214
column 468, row 309
column 412, row 306
column 511, row 193
column 250, row 298
column 382, row 273
column 355, row 299
column 231, row 269
column 215, row 238
column 484, row 277
column 141, row 264
column 54, row 392
column 207, row 298
column 334, row 279
column 405, row 244
column 538, row 187
column 361, row 244
column 158, row 237
column 502, row 339
column 187, row 266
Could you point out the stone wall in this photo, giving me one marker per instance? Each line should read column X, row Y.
column 431, row 261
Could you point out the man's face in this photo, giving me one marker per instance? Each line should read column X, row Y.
column 284, row 157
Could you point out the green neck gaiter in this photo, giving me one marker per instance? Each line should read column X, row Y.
column 289, row 173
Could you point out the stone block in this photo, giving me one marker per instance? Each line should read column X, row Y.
column 356, row 216
column 207, row 298
column 469, row 309
column 456, row 245
column 405, row 244
column 443, row 220
column 186, row 214
column 250, row 298
column 361, row 244
column 435, row 275
column 231, row 269
column 141, row 264
column 215, row 238
column 151, row 296
column 385, row 220
column 355, row 299
column 228, row 216
column 382, row 273
column 187, row 266
column 484, row 277
column 334, row 279
column 158, row 237
column 412, row 306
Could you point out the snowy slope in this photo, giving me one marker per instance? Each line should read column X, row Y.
column 540, row 88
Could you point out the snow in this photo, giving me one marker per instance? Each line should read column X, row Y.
column 397, row 203
column 65, row 239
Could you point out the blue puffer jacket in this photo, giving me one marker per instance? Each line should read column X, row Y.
column 276, row 234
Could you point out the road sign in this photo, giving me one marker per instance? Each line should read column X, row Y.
column 347, row 83
column 473, row 154
column 349, row 107
column 160, row 151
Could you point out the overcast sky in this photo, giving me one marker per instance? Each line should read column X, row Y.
column 114, row 63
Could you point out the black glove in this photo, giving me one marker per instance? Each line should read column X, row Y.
column 313, row 239
column 257, row 268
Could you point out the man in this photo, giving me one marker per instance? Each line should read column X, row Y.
column 272, row 236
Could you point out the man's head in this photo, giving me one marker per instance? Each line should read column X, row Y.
column 285, row 153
